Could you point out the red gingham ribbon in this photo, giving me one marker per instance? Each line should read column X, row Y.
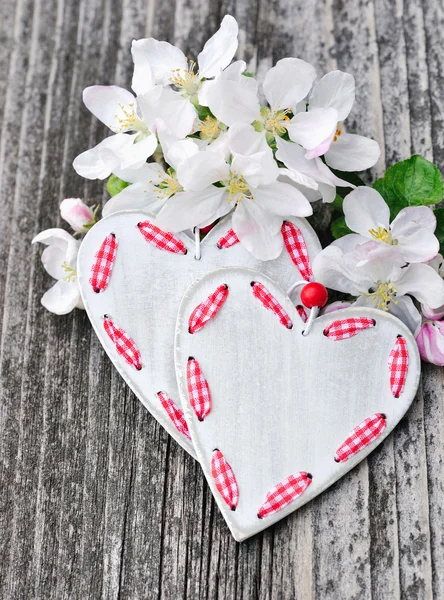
column 263, row 295
column 228, row 240
column 361, row 436
column 224, row 479
column 297, row 249
column 207, row 309
column 161, row 239
column 302, row 313
column 398, row 363
column 125, row 346
column 343, row 329
column 174, row 413
column 198, row 390
column 103, row 264
column 284, row 492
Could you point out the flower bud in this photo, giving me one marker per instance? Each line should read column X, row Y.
column 77, row 214
column 432, row 313
column 430, row 340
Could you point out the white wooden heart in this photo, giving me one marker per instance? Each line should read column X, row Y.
column 143, row 295
column 282, row 403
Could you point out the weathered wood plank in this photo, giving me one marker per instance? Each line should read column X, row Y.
column 96, row 500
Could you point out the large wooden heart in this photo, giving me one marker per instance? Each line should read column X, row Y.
column 138, row 279
column 277, row 416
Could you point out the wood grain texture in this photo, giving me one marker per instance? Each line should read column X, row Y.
column 97, row 501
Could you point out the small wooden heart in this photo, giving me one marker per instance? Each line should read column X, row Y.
column 277, row 416
column 132, row 278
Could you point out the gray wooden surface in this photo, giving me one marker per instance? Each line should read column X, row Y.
column 96, row 501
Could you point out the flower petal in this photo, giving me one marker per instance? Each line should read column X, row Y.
column 186, row 210
column 135, row 155
column 99, row 162
column 421, row 246
column 162, row 57
column 353, row 152
column 138, row 196
column 111, row 104
column 288, row 82
column 336, row 89
column 176, row 112
column 365, row 209
column 244, row 139
column 147, row 172
column 257, row 169
column 282, row 199
column 422, row 282
column 258, row 230
column 230, row 102
column 202, row 169
column 310, row 129
column 412, row 219
column 62, row 298
column 338, row 271
column 143, row 77
column 219, row 49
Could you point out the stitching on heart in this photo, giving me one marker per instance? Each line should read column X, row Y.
column 224, row 479
column 228, row 240
column 297, row 249
column 208, row 309
column 362, row 435
column 161, row 239
column 398, row 364
column 124, row 345
column 102, row 266
column 284, row 492
column 198, row 389
column 347, row 328
column 269, row 301
column 175, row 414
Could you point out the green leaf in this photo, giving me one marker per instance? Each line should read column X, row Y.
column 337, row 204
column 115, row 185
column 203, row 112
column 247, row 74
column 339, row 228
column 439, row 231
column 411, row 182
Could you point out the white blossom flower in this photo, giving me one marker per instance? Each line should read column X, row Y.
column 59, row 260
column 434, row 314
column 411, row 234
column 379, row 279
column 80, row 216
column 232, row 97
column 320, row 131
column 310, row 173
column 162, row 66
column 133, row 142
column 247, row 184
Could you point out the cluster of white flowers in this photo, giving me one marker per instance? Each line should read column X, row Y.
column 199, row 140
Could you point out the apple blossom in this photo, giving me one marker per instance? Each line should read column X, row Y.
column 320, row 131
column 80, row 216
column 60, row 261
column 411, row 233
column 430, row 340
column 433, row 314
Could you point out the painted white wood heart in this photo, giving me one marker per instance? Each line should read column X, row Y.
column 282, row 403
column 144, row 293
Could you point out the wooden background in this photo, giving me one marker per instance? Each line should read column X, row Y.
column 96, row 501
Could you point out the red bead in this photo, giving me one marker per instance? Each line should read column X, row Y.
column 314, row 294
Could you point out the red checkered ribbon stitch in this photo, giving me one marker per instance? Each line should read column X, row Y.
column 284, row 492
column 302, row 313
column 125, row 346
column 398, row 363
column 103, row 264
column 224, row 479
column 175, row 414
column 207, row 309
column 297, row 249
column 263, row 295
column 228, row 240
column 361, row 436
column 161, row 239
column 198, row 390
column 343, row 329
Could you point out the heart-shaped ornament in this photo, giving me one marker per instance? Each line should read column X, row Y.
column 132, row 278
column 277, row 416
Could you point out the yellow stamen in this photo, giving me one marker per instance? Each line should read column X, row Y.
column 71, row 274
column 338, row 133
column 382, row 235
column 129, row 121
column 276, row 121
column 186, row 80
column 237, row 188
column 382, row 296
column 209, row 128
column 168, row 186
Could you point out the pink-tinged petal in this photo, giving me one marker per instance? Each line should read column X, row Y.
column 321, row 149
column 75, row 212
column 219, row 49
column 288, row 82
column 430, row 340
column 352, row 152
column 312, row 128
column 433, row 314
column 336, row 90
